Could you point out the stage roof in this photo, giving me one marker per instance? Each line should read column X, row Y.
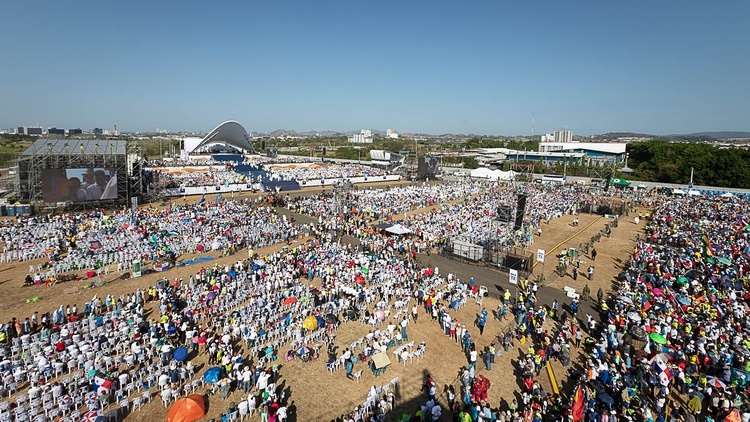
column 230, row 133
column 75, row 147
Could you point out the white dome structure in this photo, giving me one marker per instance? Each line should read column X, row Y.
column 230, row 133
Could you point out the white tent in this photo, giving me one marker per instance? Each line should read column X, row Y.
column 485, row 173
column 679, row 192
column 727, row 195
column 398, row 229
column 694, row 193
column 481, row 173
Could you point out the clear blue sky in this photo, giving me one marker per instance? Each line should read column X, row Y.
column 435, row 66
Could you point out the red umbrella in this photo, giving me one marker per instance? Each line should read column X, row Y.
column 290, row 300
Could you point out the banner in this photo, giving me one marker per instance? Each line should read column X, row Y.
column 136, row 268
column 540, row 255
column 513, row 278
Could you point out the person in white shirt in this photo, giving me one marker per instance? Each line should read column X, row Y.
column 247, row 379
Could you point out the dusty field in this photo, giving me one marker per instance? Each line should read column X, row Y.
column 316, row 394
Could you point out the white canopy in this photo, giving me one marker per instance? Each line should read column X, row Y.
column 485, row 173
column 679, row 192
column 694, row 193
column 727, row 195
column 398, row 229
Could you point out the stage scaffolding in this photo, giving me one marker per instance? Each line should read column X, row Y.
column 70, row 154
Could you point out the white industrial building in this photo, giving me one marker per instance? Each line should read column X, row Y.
column 364, row 137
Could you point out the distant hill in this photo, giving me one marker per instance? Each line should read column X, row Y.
column 625, row 135
column 720, row 135
column 283, row 132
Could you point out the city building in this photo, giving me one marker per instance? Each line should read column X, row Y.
column 76, row 131
column 547, row 157
column 563, row 136
column 598, row 151
column 390, row 133
column 364, row 137
column 55, row 131
column 29, row 130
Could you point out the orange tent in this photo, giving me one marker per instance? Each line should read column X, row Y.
column 188, row 409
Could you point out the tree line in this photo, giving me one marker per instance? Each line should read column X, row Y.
column 668, row 162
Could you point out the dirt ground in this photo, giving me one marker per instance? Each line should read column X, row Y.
column 313, row 392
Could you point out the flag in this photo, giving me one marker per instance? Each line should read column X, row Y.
column 661, row 368
column 203, row 199
column 218, row 198
column 578, row 404
column 706, row 242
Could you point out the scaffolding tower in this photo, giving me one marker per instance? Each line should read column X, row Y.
column 46, row 154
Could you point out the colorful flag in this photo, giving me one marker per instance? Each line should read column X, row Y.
column 203, row 199
column 578, row 404
column 707, row 247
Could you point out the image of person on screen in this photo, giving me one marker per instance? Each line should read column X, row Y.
column 75, row 192
column 95, row 191
column 432, row 165
column 87, row 179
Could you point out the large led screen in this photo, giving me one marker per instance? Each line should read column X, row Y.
column 79, row 185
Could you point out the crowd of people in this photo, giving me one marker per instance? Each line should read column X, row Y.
column 677, row 321
column 213, row 176
column 307, row 172
column 108, row 242
column 674, row 337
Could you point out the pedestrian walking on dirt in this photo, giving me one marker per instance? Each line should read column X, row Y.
column 575, row 273
column 591, row 273
column 599, row 295
column 593, row 254
column 586, row 292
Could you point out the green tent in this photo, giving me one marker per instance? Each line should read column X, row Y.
column 619, row 182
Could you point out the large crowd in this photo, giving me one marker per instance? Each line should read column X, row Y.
column 105, row 242
column 309, row 172
column 677, row 320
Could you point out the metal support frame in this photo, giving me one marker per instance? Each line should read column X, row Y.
column 606, row 171
column 73, row 156
column 342, row 191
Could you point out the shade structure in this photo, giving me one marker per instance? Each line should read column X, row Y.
column 634, row 316
column 188, row 409
column 619, row 182
column 715, row 382
column 180, row 354
column 310, row 323
column 658, row 338
column 398, row 229
column 380, row 314
column 212, row 374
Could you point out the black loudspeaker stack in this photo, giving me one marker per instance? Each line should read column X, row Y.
column 520, row 211
column 504, row 214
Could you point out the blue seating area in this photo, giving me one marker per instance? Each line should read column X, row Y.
column 227, row 157
column 284, row 185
